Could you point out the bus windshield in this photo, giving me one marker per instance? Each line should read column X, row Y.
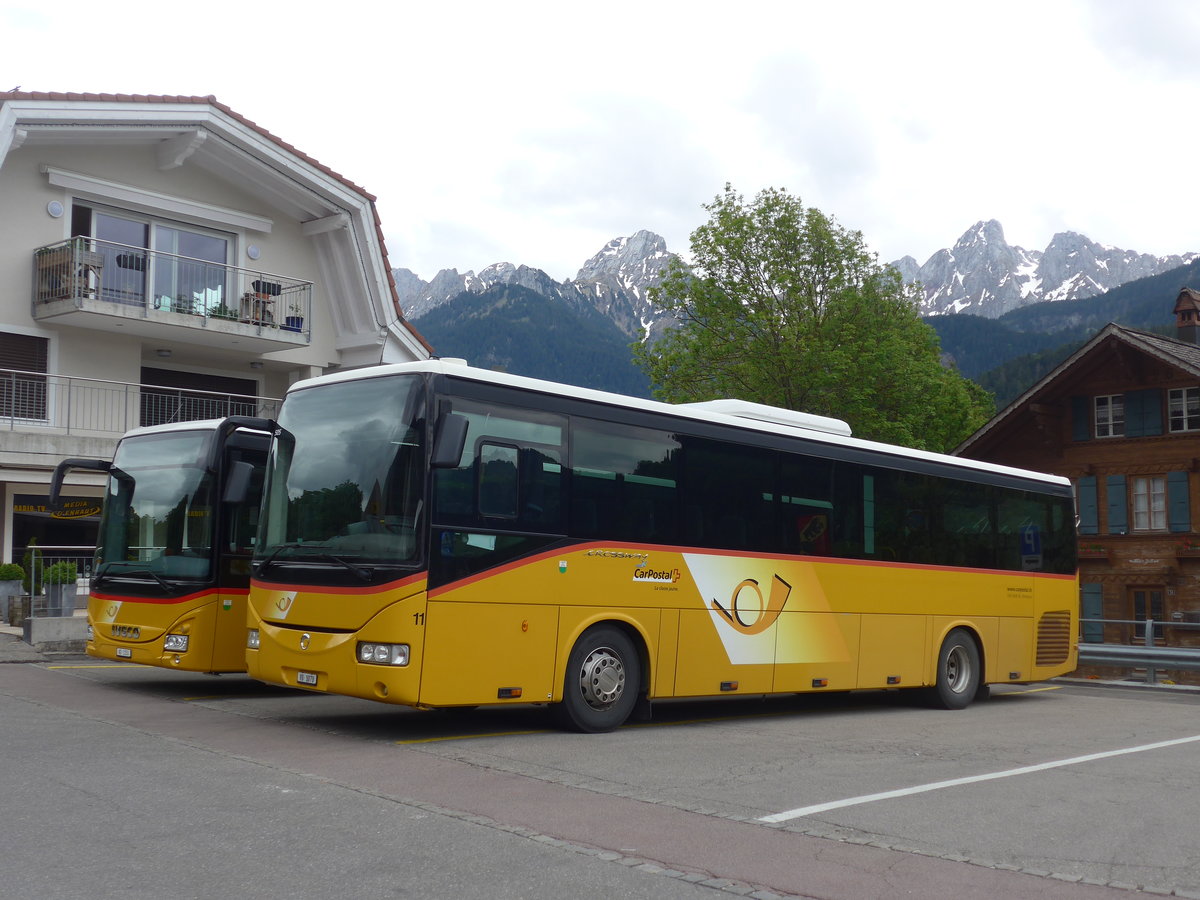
column 345, row 482
column 158, row 515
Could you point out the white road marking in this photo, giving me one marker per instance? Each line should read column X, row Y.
column 973, row 779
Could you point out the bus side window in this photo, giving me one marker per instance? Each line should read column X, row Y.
column 623, row 482
column 733, row 486
column 853, row 515
column 806, row 505
column 498, row 487
column 510, row 473
column 967, row 526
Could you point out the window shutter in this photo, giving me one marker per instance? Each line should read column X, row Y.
column 23, row 352
column 1152, row 412
column 1087, row 505
column 1081, row 418
column 1179, row 517
column 23, row 396
column 1143, row 413
column 1133, row 413
column 1118, row 504
column 1091, row 597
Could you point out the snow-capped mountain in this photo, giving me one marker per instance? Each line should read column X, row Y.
column 983, row 274
column 614, row 282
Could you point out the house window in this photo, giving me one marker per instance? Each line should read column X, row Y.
column 1183, row 409
column 1149, row 504
column 23, row 376
column 1110, row 416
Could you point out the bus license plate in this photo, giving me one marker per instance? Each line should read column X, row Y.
column 124, row 653
column 306, row 678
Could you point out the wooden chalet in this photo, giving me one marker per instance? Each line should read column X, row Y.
column 1121, row 419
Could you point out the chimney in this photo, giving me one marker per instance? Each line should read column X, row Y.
column 1187, row 316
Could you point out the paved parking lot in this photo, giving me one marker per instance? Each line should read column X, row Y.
column 1063, row 790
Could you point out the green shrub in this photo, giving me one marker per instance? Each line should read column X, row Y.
column 61, row 573
column 32, row 564
column 11, row 572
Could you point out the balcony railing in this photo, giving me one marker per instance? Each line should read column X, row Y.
column 62, row 404
column 83, row 269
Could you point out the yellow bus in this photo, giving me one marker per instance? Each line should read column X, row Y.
column 177, row 528
column 436, row 535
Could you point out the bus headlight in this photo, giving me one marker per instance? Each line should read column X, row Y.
column 252, row 638
column 383, row 654
column 177, row 643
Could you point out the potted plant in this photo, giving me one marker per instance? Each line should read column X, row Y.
column 60, row 580
column 11, row 577
column 221, row 311
column 32, row 564
column 294, row 321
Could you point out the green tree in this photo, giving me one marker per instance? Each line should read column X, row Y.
column 784, row 306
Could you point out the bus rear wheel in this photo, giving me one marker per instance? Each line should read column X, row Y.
column 602, row 681
column 958, row 671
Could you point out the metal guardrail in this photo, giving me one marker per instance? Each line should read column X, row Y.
column 1146, row 655
column 125, row 275
column 64, row 404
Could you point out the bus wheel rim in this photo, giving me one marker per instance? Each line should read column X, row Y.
column 958, row 670
column 602, row 678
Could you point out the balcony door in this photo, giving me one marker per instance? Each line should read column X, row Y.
column 192, row 279
column 122, row 243
column 180, row 268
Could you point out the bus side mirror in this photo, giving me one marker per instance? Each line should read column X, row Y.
column 237, row 485
column 449, row 442
column 60, row 472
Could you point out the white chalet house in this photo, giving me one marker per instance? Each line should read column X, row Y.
column 165, row 259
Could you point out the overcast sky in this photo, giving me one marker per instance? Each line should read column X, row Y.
column 536, row 132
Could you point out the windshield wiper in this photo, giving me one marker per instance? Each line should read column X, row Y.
column 104, row 574
column 362, row 573
column 262, row 566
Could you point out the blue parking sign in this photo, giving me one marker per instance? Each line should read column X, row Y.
column 1031, row 547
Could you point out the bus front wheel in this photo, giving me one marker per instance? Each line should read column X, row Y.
column 958, row 671
column 602, row 681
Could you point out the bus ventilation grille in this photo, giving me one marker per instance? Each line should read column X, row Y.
column 1054, row 638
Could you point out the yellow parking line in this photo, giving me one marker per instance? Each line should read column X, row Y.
column 102, row 666
column 471, row 737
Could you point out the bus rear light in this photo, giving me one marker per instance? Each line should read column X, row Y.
column 383, row 654
column 893, row 679
column 252, row 638
column 820, row 682
column 177, row 643
column 729, row 685
column 508, row 693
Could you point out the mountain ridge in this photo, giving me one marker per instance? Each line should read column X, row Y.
column 989, row 301
column 615, row 281
column 985, row 275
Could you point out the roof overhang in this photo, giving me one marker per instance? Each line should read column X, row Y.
column 1161, row 348
column 337, row 216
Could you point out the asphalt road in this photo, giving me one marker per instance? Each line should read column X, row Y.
column 131, row 782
